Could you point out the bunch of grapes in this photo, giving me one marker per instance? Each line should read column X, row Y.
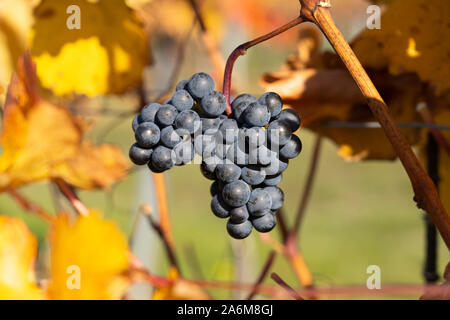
column 244, row 154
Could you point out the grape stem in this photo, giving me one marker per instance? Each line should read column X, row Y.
column 72, row 197
column 30, row 206
column 426, row 195
column 242, row 49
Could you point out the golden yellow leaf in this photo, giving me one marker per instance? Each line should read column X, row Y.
column 107, row 54
column 179, row 290
column 89, row 253
column 15, row 23
column 18, row 250
column 417, row 44
column 42, row 141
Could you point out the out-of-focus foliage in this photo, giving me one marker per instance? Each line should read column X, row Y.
column 15, row 22
column 18, row 250
column 179, row 289
column 43, row 141
column 417, row 44
column 106, row 55
column 97, row 248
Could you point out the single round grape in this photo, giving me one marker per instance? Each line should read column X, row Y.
column 137, row 120
column 273, row 180
column 277, row 196
column 184, row 153
column 154, row 169
column 140, row 156
column 264, row 223
column 148, row 113
column 163, row 158
column 208, row 170
column 260, row 200
column 210, row 125
column 205, row 145
column 219, row 207
column 214, row 104
column 276, row 166
column 253, row 175
column 273, row 102
column 239, row 231
column 182, row 100
column 200, row 85
column 181, row 85
column 166, row 115
column 188, row 120
column 239, row 215
column 256, row 115
column 228, row 172
column 240, row 104
column 215, row 188
column 279, row 132
column 169, row 137
column 292, row 148
column 263, row 156
column 147, row 135
column 236, row 193
column 229, row 130
column 221, row 150
column 291, row 117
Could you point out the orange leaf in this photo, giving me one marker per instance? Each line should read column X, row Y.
column 43, row 141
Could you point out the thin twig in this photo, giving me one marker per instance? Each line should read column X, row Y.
column 425, row 191
column 308, row 184
column 163, row 206
column 265, row 270
column 242, row 49
column 30, row 206
column 275, row 277
column 147, row 212
column 72, row 197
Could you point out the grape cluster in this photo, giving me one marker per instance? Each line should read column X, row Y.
column 244, row 154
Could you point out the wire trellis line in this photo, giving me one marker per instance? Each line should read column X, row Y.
column 376, row 125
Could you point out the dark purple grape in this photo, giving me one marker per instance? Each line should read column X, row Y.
column 210, row 125
column 163, row 158
column 264, row 223
column 219, row 207
column 239, row 215
column 253, row 175
column 256, row 115
column 273, row 180
column 166, row 115
column 291, row 117
column 188, row 120
column 255, row 137
column 236, row 194
column 277, row 196
column 273, row 102
column 292, row 148
column 184, row 153
column 228, row 172
column 182, row 85
column 154, row 169
column 278, row 133
column 148, row 113
column 182, row 100
column 140, row 156
column 200, row 85
column 147, row 135
column 209, row 170
column 169, row 137
column 260, row 200
column 239, row 231
column 214, row 104
column 229, row 130
column 240, row 104
column 137, row 120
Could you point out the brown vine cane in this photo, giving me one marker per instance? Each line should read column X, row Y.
column 426, row 195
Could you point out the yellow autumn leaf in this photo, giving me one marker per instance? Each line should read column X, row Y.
column 107, row 54
column 179, row 289
column 18, row 250
column 42, row 141
column 88, row 259
column 417, row 44
column 15, row 23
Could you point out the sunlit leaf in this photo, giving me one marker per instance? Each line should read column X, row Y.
column 106, row 55
column 42, row 141
column 18, row 250
column 179, row 290
column 89, row 253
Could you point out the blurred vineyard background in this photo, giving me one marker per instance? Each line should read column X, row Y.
column 359, row 214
